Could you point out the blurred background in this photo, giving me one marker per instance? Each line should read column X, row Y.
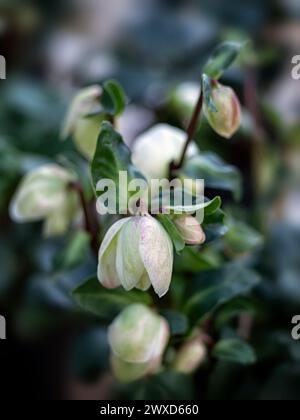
column 53, row 48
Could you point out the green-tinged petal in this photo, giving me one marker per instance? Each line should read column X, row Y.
column 133, row 334
column 40, row 193
column 130, row 267
column 82, row 104
column 107, row 273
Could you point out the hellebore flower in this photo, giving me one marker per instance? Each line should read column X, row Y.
column 154, row 150
column 226, row 121
column 190, row 229
column 83, row 127
column 136, row 253
column 44, row 194
column 190, row 356
column 138, row 338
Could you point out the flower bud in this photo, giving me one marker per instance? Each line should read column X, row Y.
column 190, row 229
column 154, row 150
column 84, row 128
column 138, row 338
column 136, row 253
column 44, row 194
column 190, row 356
column 226, row 121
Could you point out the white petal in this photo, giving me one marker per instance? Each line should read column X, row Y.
column 130, row 267
column 133, row 334
column 107, row 273
column 156, row 251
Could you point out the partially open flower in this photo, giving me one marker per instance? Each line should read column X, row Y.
column 136, row 253
column 154, row 150
column 190, row 229
column 44, row 194
column 190, row 356
column 138, row 338
column 80, row 124
column 226, row 121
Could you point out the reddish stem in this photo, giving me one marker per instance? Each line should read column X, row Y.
column 190, row 133
column 90, row 217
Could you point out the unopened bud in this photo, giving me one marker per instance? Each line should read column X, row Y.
column 190, row 229
column 226, row 121
column 138, row 338
column 84, row 127
column 190, row 356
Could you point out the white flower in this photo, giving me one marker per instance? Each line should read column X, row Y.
column 154, row 150
column 44, row 194
column 138, row 338
column 136, row 253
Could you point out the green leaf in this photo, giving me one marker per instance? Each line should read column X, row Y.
column 105, row 303
column 117, row 97
column 233, row 309
column 209, row 206
column 173, row 232
column 241, row 238
column 222, row 58
column 111, row 156
column 218, row 288
column 194, row 260
column 216, row 173
column 207, row 93
column 75, row 251
column 178, row 322
column 235, row 351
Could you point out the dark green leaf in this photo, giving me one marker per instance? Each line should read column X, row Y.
column 233, row 309
column 75, row 251
column 222, row 286
column 173, row 232
column 216, row 173
column 117, row 96
column 192, row 259
column 222, row 58
column 106, row 303
column 235, row 351
column 89, row 354
column 241, row 238
column 178, row 322
column 111, row 156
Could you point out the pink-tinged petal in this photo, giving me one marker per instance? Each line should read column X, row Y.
column 156, row 251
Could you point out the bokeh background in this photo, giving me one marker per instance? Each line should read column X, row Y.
column 53, row 48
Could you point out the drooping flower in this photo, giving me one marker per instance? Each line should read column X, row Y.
column 226, row 121
column 190, row 356
column 136, row 253
column 43, row 194
column 80, row 124
column 190, row 229
column 154, row 150
column 138, row 338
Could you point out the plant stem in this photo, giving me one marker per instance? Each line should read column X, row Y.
column 190, row 132
column 90, row 217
